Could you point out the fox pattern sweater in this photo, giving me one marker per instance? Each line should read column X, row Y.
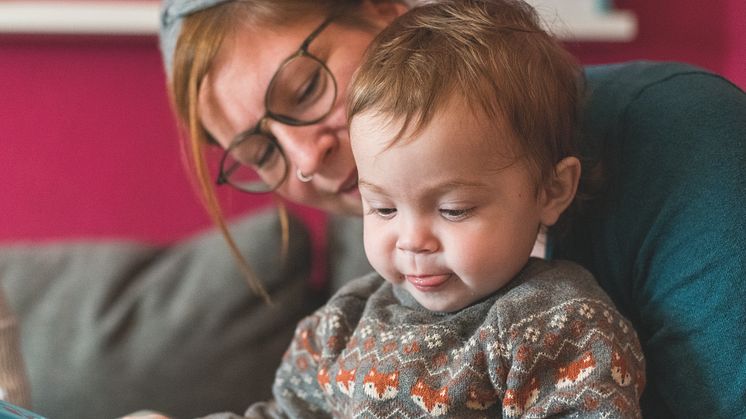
column 550, row 343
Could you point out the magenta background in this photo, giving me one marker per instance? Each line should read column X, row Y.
column 88, row 145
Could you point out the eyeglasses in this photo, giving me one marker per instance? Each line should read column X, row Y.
column 301, row 92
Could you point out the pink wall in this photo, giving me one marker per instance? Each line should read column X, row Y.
column 709, row 34
column 89, row 142
column 89, row 147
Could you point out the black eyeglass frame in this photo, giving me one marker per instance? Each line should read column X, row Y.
column 224, row 174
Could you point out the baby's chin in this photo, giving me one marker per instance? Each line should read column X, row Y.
column 443, row 307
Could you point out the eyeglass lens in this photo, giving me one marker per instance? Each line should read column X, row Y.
column 302, row 92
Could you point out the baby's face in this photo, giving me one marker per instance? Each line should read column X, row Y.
column 450, row 214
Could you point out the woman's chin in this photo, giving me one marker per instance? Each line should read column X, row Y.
column 340, row 204
column 344, row 203
column 347, row 204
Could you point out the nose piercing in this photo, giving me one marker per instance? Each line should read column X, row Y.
column 301, row 177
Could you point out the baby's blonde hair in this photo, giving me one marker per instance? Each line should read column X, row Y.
column 495, row 55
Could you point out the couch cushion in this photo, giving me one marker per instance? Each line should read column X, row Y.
column 112, row 327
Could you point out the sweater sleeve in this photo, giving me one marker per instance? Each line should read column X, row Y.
column 296, row 388
column 302, row 381
column 13, row 383
column 579, row 359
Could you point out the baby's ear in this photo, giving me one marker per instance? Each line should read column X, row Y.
column 559, row 190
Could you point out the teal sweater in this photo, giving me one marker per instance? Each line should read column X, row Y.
column 667, row 237
column 549, row 343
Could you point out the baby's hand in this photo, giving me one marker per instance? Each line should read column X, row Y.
column 145, row 414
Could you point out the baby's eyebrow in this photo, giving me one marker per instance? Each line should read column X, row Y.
column 451, row 184
column 458, row 183
column 362, row 183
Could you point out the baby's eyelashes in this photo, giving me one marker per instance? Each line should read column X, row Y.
column 456, row 214
column 385, row 213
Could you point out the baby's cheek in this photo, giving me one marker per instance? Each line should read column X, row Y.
column 485, row 266
column 471, row 259
column 379, row 251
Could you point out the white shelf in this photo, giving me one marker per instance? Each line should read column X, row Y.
column 617, row 26
column 79, row 17
column 117, row 17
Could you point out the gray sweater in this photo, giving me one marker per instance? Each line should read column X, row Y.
column 548, row 343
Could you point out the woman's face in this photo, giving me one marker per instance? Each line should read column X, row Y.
column 232, row 101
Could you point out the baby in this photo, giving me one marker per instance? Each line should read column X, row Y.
column 461, row 122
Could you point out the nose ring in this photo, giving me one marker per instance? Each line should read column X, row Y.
column 301, row 177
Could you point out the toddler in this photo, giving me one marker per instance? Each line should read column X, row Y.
column 461, row 122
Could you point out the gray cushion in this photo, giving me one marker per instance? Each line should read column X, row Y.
column 112, row 327
column 347, row 259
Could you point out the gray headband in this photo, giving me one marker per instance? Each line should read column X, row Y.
column 172, row 14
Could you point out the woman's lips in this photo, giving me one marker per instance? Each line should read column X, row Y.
column 427, row 282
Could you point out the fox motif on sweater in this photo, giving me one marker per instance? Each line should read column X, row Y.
column 481, row 398
column 324, row 382
column 619, row 371
column 346, row 381
column 576, row 371
column 433, row 401
column 517, row 401
column 381, row 386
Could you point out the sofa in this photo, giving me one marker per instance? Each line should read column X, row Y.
column 110, row 327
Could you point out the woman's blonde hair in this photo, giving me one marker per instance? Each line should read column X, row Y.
column 201, row 37
column 496, row 56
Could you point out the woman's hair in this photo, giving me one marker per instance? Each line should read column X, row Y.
column 200, row 37
column 494, row 55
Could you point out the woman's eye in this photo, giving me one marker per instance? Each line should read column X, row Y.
column 266, row 155
column 258, row 154
column 456, row 214
column 309, row 90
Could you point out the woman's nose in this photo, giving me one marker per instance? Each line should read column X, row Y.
column 308, row 148
column 416, row 236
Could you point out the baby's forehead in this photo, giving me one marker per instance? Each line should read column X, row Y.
column 464, row 125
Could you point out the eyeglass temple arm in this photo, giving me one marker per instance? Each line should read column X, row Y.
column 316, row 32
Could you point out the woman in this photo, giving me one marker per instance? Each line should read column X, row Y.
column 266, row 81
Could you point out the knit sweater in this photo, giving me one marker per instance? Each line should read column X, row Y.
column 549, row 343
